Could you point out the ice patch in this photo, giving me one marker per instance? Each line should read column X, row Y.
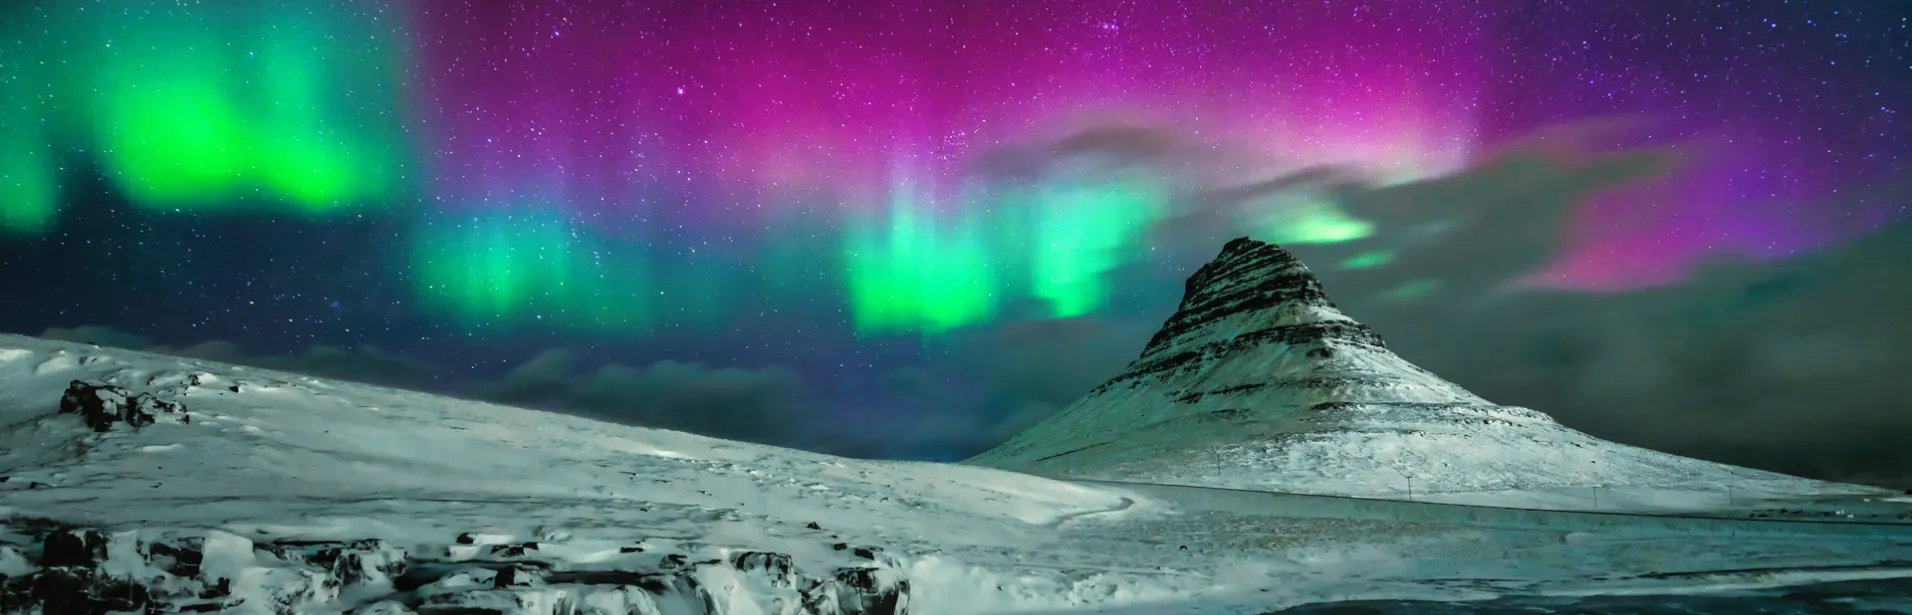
column 57, row 363
column 646, row 449
column 9, row 355
column 964, row 589
column 13, row 564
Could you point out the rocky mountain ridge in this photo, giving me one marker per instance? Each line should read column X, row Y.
column 1258, row 381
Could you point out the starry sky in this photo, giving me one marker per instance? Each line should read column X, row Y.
column 907, row 229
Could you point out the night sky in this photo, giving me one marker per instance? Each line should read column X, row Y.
column 908, row 229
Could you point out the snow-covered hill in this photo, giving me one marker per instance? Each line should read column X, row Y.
column 132, row 482
column 1259, row 382
column 103, row 438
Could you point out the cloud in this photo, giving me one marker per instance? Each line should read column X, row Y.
column 367, row 363
column 1474, row 230
column 1794, row 366
column 758, row 405
column 1051, row 361
column 995, row 382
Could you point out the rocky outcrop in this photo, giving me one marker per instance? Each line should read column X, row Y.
column 1259, row 382
column 1249, row 279
column 51, row 567
column 1254, row 299
column 104, row 406
column 1255, row 339
column 77, row 571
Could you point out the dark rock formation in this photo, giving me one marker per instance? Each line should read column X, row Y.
column 1259, row 382
column 103, row 405
column 69, row 548
column 1249, row 276
column 76, row 574
column 1256, row 352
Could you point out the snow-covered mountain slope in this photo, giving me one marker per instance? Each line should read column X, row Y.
column 132, row 482
column 165, row 442
column 1259, row 382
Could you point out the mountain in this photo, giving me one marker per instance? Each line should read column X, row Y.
column 131, row 481
column 1258, row 382
column 135, row 482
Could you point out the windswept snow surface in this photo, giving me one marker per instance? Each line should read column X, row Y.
column 1259, row 382
column 255, row 457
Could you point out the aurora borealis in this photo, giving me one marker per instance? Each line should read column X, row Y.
column 853, row 184
column 599, row 127
column 185, row 120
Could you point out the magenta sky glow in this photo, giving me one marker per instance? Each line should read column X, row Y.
column 724, row 113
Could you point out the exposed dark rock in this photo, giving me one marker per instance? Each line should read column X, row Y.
column 1189, row 398
column 82, row 548
column 1248, row 276
column 1260, row 317
column 306, row 576
column 813, row 525
column 182, row 560
column 517, row 550
column 103, row 405
column 218, row 589
column 509, row 577
column 86, row 593
column 862, row 591
column 1152, row 366
column 774, row 567
column 364, row 562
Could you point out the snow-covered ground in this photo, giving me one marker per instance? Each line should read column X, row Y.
column 258, row 471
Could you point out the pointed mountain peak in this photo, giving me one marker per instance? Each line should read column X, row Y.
column 1254, row 294
column 1255, row 341
column 1258, row 382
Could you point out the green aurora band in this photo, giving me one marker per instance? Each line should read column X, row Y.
column 538, row 271
column 237, row 105
column 917, row 275
column 293, row 107
column 1083, row 232
column 908, row 268
column 502, row 270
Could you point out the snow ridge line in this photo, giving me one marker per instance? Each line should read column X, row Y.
column 1356, row 504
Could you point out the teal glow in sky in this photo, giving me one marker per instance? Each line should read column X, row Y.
column 594, row 164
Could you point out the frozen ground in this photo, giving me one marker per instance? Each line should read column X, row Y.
column 255, row 458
